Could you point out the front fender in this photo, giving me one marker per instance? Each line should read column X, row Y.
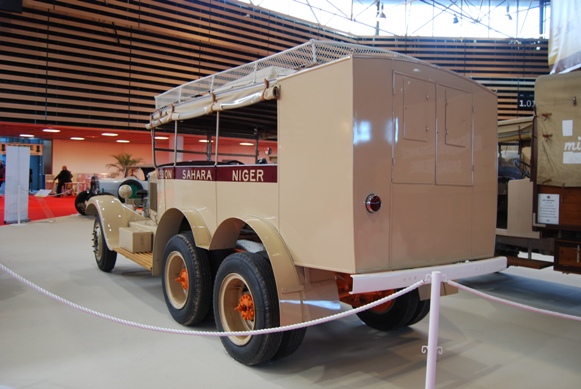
column 113, row 215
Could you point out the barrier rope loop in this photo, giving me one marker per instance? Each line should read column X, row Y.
column 512, row 303
column 211, row 333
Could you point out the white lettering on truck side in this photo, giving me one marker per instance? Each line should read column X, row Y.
column 197, row 174
column 248, row 175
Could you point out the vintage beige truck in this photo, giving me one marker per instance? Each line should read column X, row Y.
column 380, row 170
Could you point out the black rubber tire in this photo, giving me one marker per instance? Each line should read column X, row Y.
column 421, row 311
column 80, row 200
column 398, row 315
column 291, row 340
column 190, row 305
column 135, row 186
column 247, row 274
column 104, row 257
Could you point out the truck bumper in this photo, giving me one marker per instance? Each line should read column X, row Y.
column 396, row 279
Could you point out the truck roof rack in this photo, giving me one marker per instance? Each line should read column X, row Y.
column 307, row 55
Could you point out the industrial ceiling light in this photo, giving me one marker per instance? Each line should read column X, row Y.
column 26, row 136
column 162, row 137
column 246, row 144
column 380, row 14
column 109, row 134
column 77, row 138
column 508, row 12
column 455, row 19
column 122, row 141
column 51, row 130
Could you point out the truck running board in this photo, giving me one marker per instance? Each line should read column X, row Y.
column 142, row 259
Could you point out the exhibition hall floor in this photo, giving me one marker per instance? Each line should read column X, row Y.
column 46, row 344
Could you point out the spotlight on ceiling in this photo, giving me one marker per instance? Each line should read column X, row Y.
column 508, row 12
column 380, row 14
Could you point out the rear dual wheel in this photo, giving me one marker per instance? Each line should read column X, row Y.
column 245, row 299
column 404, row 311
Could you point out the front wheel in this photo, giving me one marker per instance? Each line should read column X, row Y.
column 245, row 299
column 105, row 258
column 187, row 280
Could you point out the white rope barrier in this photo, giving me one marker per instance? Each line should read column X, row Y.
column 512, row 303
column 210, row 333
column 432, row 349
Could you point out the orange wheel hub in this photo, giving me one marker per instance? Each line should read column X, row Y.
column 183, row 279
column 246, row 307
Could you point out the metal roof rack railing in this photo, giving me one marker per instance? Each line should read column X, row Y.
column 307, row 55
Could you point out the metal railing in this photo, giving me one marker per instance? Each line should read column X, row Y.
column 307, row 55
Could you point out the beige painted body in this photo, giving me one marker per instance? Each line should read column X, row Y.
column 421, row 138
column 379, row 126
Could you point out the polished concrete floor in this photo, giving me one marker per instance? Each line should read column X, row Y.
column 45, row 344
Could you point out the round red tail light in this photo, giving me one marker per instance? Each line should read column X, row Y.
column 373, row 203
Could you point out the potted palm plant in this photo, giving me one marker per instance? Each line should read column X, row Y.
column 125, row 164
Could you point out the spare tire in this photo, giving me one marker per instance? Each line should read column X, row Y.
column 80, row 201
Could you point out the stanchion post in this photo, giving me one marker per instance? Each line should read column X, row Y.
column 433, row 329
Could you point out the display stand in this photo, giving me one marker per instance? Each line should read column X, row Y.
column 16, row 185
column 40, row 195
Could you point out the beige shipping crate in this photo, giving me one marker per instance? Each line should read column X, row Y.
column 135, row 240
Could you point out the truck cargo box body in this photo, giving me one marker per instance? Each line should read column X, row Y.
column 421, row 138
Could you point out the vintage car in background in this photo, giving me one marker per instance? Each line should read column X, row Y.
column 104, row 185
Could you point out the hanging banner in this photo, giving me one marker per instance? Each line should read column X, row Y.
column 564, row 42
column 35, row 149
column 16, row 185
